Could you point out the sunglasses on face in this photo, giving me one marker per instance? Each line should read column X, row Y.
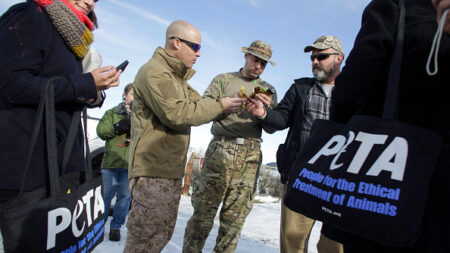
column 321, row 56
column 196, row 47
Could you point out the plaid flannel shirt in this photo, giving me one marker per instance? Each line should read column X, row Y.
column 317, row 107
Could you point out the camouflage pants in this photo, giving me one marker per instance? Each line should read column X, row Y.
column 153, row 214
column 229, row 176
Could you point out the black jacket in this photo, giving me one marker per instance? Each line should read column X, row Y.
column 31, row 52
column 289, row 113
column 362, row 82
column 422, row 102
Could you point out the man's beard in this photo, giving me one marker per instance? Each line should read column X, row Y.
column 322, row 75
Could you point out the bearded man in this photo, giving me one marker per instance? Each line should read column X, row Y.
column 306, row 100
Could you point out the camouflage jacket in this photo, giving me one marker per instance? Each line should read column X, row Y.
column 240, row 124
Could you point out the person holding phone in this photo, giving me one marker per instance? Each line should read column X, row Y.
column 39, row 40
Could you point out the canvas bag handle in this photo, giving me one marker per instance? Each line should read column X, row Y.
column 89, row 172
column 70, row 139
column 393, row 83
column 47, row 101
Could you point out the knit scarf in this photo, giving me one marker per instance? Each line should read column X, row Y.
column 73, row 25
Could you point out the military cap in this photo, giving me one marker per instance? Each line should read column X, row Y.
column 259, row 49
column 326, row 42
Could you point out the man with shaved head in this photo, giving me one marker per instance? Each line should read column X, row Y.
column 164, row 109
column 181, row 32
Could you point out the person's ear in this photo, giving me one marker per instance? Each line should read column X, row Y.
column 340, row 58
column 176, row 43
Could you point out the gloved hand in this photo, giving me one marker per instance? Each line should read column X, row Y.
column 122, row 126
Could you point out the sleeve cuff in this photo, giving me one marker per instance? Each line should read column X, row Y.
column 264, row 116
column 84, row 87
column 266, row 108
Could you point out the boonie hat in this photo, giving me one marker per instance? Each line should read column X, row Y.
column 259, row 49
column 326, row 42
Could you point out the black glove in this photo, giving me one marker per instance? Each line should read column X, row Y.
column 122, row 126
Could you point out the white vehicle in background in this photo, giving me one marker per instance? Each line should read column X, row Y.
column 96, row 145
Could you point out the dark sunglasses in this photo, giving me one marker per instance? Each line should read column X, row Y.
column 321, row 56
column 196, row 47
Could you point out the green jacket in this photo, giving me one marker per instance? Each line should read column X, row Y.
column 165, row 107
column 116, row 152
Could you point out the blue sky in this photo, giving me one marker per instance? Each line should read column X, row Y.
column 132, row 29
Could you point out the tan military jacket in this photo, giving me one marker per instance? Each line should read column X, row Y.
column 165, row 107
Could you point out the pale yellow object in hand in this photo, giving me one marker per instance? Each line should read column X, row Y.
column 241, row 94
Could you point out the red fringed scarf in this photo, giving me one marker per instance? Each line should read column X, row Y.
column 83, row 18
column 73, row 25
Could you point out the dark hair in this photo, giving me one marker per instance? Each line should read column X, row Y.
column 128, row 87
column 93, row 19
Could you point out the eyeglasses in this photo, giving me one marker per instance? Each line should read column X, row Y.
column 196, row 47
column 321, row 56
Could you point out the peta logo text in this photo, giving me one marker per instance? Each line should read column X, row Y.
column 60, row 219
column 392, row 159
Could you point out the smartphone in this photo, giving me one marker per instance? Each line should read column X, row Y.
column 122, row 66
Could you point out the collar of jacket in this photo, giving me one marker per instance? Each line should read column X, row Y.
column 258, row 79
column 173, row 63
column 121, row 109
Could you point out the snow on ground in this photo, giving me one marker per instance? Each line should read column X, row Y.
column 260, row 233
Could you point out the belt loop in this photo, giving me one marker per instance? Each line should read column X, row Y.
column 240, row 141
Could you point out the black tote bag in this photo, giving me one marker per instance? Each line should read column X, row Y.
column 369, row 177
column 64, row 216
